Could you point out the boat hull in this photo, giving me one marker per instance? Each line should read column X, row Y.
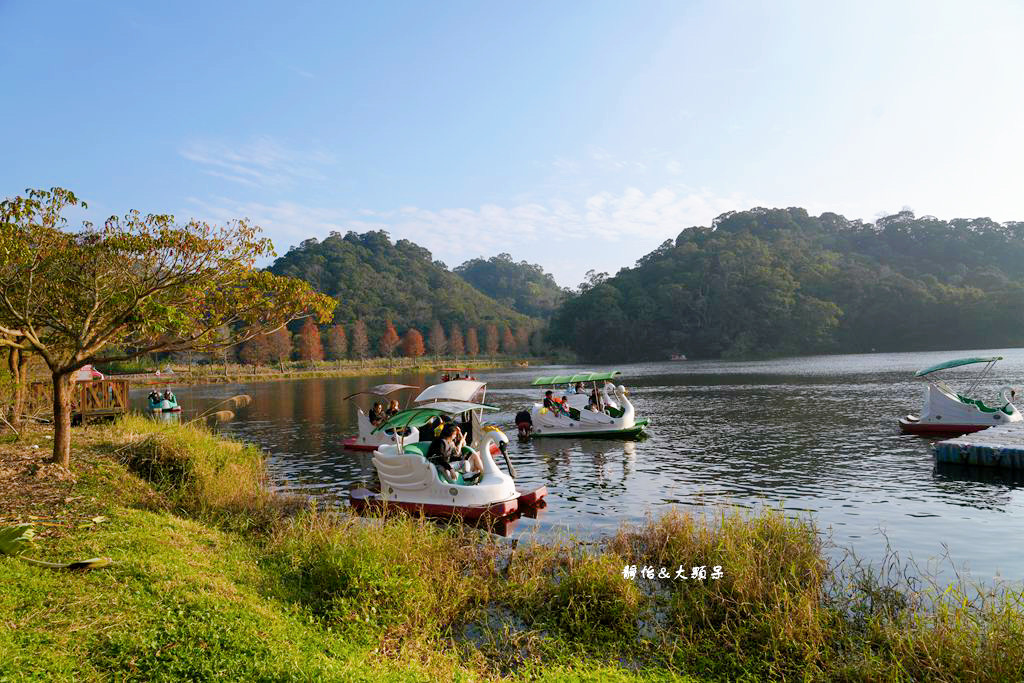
column 628, row 433
column 364, row 499
column 164, row 406
column 915, row 426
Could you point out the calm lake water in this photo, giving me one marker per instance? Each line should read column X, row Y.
column 817, row 435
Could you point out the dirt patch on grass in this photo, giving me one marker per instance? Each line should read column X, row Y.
column 45, row 494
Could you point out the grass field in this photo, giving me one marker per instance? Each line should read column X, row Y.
column 215, row 579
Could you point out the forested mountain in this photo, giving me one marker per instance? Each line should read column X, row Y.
column 375, row 280
column 771, row 281
column 522, row 286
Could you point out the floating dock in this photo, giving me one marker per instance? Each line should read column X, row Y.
column 1001, row 446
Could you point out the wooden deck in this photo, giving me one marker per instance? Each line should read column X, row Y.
column 90, row 400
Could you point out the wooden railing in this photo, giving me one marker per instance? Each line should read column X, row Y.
column 90, row 399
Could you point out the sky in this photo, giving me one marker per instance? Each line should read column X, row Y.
column 575, row 135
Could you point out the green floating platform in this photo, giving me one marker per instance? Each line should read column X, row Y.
column 1001, row 446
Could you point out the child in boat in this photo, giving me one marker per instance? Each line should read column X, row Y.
column 551, row 403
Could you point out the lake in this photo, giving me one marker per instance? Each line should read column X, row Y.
column 817, row 435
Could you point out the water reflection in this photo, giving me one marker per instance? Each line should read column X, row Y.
column 816, row 434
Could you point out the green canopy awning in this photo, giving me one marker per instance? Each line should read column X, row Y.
column 955, row 364
column 417, row 417
column 572, row 379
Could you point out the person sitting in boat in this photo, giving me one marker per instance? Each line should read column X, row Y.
column 169, row 396
column 592, row 405
column 579, row 388
column 552, row 403
column 392, row 410
column 446, row 449
column 446, row 377
column 524, row 423
column 377, row 414
column 154, row 396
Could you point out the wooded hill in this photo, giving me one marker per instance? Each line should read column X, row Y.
column 375, row 280
column 773, row 281
column 522, row 286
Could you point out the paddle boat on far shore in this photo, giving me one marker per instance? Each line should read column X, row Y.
column 166, row 402
column 410, row 482
column 368, row 438
column 614, row 416
column 949, row 412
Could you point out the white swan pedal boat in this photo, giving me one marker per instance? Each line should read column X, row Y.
column 410, row 482
column 615, row 417
column 949, row 412
column 367, row 439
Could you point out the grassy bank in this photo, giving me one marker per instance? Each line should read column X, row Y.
column 233, row 373
column 216, row 579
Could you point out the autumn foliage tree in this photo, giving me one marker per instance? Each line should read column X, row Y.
column 308, row 344
column 455, row 341
column 337, row 342
column 279, row 346
column 523, row 339
column 256, row 351
column 508, row 342
column 492, row 339
column 472, row 343
column 437, row 342
column 360, row 340
column 389, row 341
column 135, row 285
column 412, row 344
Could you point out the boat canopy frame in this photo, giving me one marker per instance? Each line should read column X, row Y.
column 381, row 390
column 989, row 361
column 418, row 416
column 579, row 377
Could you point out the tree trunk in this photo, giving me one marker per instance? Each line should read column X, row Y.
column 62, row 419
column 17, row 363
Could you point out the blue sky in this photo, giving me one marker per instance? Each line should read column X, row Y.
column 576, row 135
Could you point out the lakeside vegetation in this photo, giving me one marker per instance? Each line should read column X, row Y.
column 212, row 373
column 215, row 578
column 780, row 281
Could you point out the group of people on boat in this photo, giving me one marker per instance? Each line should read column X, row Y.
column 448, row 378
column 379, row 414
column 446, row 449
column 155, row 396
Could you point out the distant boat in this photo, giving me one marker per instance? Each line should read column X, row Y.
column 678, row 356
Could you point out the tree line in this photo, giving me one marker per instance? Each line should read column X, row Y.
column 780, row 281
column 313, row 343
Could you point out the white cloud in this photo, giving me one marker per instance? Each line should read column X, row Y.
column 605, row 231
column 262, row 162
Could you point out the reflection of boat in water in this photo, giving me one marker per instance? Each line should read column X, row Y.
column 410, row 482
column 367, row 439
column 949, row 412
column 613, row 415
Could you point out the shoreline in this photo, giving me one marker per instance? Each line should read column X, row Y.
column 238, row 374
column 212, row 573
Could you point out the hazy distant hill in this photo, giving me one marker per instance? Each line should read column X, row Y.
column 374, row 280
column 770, row 281
column 522, row 286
